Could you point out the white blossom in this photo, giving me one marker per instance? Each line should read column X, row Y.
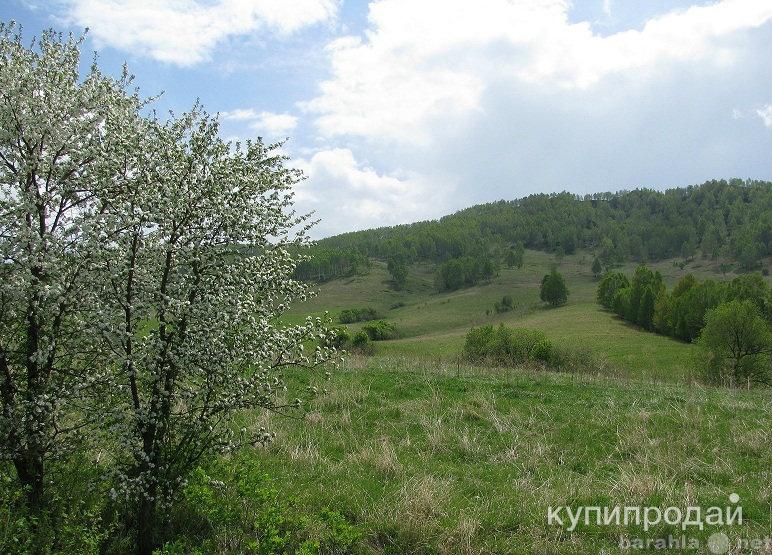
column 145, row 267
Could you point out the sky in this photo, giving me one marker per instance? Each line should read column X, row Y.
column 404, row 110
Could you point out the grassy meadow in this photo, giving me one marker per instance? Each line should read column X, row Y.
column 423, row 453
column 433, row 325
column 437, row 458
column 412, row 451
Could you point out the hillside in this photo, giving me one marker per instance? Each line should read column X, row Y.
column 425, row 453
column 728, row 220
column 433, row 324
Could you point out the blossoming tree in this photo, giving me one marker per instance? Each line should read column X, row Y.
column 145, row 266
column 61, row 146
column 194, row 285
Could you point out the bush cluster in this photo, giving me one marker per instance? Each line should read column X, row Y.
column 507, row 346
column 504, row 346
column 340, row 338
column 353, row 315
column 380, row 330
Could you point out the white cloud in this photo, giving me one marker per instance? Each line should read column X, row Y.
column 765, row 114
column 352, row 195
column 269, row 123
column 184, row 32
column 240, row 114
column 274, row 125
column 425, row 64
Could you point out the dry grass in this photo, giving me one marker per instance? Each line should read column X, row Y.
column 440, row 459
column 381, row 455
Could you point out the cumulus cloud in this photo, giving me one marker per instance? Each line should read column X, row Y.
column 352, row 195
column 185, row 32
column 274, row 125
column 515, row 97
column 240, row 114
column 270, row 124
column 439, row 104
column 765, row 114
column 421, row 63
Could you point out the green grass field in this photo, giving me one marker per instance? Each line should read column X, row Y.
column 426, row 454
column 434, row 324
column 436, row 458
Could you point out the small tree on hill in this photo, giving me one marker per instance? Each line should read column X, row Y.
column 398, row 270
column 553, row 289
column 737, row 344
column 515, row 254
column 597, row 267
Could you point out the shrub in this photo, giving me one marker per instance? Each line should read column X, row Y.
column 380, row 330
column 360, row 339
column 361, row 344
column 506, row 346
column 542, row 350
column 481, row 343
column 338, row 337
column 352, row 315
column 507, row 303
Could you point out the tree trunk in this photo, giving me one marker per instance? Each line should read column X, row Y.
column 145, row 515
column 29, row 469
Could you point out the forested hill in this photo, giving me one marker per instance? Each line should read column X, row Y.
column 727, row 219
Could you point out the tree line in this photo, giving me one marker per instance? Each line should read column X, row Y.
column 731, row 321
column 464, row 271
column 731, row 220
column 645, row 301
column 323, row 264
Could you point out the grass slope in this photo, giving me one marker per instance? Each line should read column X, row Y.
column 433, row 458
column 434, row 324
column 426, row 454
